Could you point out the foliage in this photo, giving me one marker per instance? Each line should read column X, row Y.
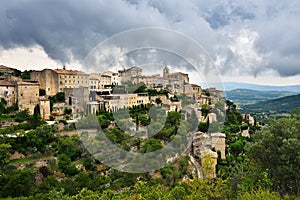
column 57, row 98
column 68, row 111
column 18, row 183
column 158, row 101
column 203, row 126
column 276, row 149
column 66, row 166
column 26, row 74
column 42, row 92
column 204, row 110
column 4, row 153
column 22, row 116
column 69, row 147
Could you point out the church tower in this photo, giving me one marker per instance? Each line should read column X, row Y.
column 165, row 72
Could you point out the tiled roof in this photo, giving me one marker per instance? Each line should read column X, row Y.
column 6, row 83
column 192, row 85
column 70, row 72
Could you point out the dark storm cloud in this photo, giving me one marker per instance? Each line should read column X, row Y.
column 244, row 37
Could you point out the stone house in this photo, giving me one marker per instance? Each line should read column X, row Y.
column 192, row 90
column 127, row 74
column 8, row 92
column 27, row 95
column 44, row 108
column 54, row 81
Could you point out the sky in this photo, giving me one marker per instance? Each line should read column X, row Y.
column 247, row 41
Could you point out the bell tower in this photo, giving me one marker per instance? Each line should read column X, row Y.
column 165, row 72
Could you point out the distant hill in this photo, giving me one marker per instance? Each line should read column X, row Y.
column 246, row 96
column 236, row 85
column 275, row 106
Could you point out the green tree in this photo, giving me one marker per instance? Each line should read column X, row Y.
column 23, row 116
column 4, row 154
column 19, row 183
column 203, row 126
column 66, row 166
column 42, row 92
column 158, row 101
column 26, row 74
column 68, row 111
column 276, row 149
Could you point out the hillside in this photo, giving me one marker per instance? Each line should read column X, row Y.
column 235, row 85
column 246, row 96
column 275, row 106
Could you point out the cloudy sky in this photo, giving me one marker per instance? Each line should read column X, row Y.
column 248, row 41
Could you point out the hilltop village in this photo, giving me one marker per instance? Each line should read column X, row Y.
column 83, row 93
column 42, row 112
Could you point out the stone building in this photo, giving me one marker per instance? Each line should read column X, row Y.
column 127, row 74
column 182, row 77
column 171, row 81
column 218, row 142
column 44, row 108
column 192, row 90
column 58, row 110
column 27, row 95
column 115, row 77
column 8, row 92
column 114, row 102
column 54, row 81
column 202, row 144
column 99, row 81
column 77, row 99
column 47, row 79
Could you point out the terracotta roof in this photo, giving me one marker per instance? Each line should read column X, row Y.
column 26, row 83
column 6, row 83
column 192, row 85
column 125, row 70
column 5, row 67
column 44, row 99
column 72, row 72
column 177, row 73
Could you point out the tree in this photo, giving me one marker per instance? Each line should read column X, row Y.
column 23, row 116
column 4, row 154
column 26, row 74
column 68, row 111
column 42, row 92
column 19, row 183
column 36, row 119
column 295, row 113
column 204, row 110
column 203, row 126
column 66, row 166
column 158, row 101
column 276, row 149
